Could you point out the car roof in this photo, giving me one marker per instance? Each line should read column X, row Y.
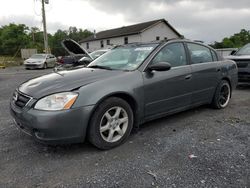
column 162, row 42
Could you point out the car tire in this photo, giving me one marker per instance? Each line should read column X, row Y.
column 111, row 123
column 222, row 95
column 45, row 66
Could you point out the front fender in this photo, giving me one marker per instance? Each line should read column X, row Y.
column 130, row 83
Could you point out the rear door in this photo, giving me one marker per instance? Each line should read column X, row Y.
column 205, row 72
column 170, row 90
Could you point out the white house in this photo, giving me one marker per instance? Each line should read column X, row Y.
column 142, row 32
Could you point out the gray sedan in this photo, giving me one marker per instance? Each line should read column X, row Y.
column 122, row 89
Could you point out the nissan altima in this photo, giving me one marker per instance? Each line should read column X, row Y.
column 125, row 87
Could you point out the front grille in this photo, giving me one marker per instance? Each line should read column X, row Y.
column 31, row 65
column 242, row 63
column 20, row 99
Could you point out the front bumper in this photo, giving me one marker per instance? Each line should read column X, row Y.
column 33, row 65
column 244, row 75
column 53, row 127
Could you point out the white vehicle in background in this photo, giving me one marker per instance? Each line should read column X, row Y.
column 40, row 61
column 98, row 53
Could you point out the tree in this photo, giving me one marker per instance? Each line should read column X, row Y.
column 12, row 38
column 78, row 35
column 55, row 42
column 235, row 41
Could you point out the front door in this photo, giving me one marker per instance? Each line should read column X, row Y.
column 167, row 91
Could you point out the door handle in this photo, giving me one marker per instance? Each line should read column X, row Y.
column 218, row 69
column 188, row 77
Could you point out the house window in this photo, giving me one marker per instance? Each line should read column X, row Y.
column 125, row 40
column 157, row 38
column 87, row 45
column 165, row 38
column 101, row 42
column 108, row 42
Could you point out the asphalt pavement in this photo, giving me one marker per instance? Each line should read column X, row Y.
column 202, row 147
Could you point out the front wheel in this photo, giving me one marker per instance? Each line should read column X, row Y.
column 222, row 95
column 45, row 66
column 111, row 123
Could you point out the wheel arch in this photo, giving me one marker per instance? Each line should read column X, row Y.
column 123, row 95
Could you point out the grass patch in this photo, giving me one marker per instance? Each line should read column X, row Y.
column 8, row 61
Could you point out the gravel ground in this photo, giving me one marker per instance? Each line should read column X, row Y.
column 202, row 147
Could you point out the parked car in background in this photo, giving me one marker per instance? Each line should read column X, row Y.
column 242, row 59
column 98, row 53
column 40, row 61
column 74, row 59
column 127, row 86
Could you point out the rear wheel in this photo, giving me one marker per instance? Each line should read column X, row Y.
column 111, row 123
column 222, row 95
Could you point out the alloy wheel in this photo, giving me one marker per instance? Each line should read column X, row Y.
column 114, row 124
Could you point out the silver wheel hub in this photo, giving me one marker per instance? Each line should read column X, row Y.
column 114, row 124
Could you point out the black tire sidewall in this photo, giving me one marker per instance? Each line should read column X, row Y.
column 94, row 135
column 215, row 102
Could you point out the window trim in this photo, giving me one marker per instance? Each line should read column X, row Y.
column 159, row 50
column 189, row 54
column 214, row 60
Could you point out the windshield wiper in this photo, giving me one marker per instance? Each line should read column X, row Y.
column 100, row 67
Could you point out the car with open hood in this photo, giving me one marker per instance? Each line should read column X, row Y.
column 78, row 56
column 242, row 59
column 127, row 86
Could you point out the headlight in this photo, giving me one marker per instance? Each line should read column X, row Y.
column 58, row 101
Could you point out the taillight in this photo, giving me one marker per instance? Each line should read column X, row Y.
column 61, row 61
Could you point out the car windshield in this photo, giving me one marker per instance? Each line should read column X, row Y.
column 38, row 56
column 245, row 50
column 128, row 57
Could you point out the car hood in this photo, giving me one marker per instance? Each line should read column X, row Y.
column 65, row 81
column 238, row 57
column 73, row 48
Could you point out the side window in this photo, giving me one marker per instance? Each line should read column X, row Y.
column 173, row 53
column 199, row 53
column 215, row 58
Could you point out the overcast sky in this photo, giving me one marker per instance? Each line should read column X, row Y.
column 208, row 20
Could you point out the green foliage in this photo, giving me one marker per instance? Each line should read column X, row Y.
column 236, row 41
column 13, row 37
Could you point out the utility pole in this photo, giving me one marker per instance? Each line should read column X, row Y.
column 45, row 36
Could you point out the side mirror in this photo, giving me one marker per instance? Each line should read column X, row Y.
column 233, row 52
column 161, row 66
